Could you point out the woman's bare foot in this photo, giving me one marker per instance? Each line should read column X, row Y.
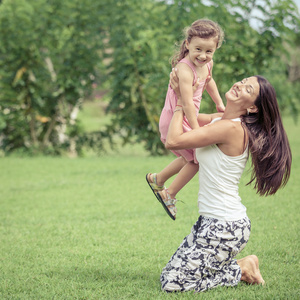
column 250, row 270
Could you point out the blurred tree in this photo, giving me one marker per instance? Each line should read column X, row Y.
column 138, row 69
column 48, row 55
column 142, row 36
column 52, row 51
column 265, row 50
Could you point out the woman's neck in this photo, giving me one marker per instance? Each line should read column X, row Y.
column 232, row 113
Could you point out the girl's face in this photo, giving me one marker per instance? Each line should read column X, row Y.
column 201, row 51
column 244, row 92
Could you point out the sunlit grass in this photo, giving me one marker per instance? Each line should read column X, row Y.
column 90, row 228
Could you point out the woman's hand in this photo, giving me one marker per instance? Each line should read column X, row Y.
column 174, row 83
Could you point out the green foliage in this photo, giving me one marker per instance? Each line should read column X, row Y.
column 143, row 34
column 48, row 55
column 51, row 52
column 138, row 68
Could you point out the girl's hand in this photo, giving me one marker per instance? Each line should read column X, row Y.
column 220, row 108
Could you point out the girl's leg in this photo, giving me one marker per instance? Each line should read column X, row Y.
column 184, row 176
column 173, row 168
column 250, row 270
column 186, row 171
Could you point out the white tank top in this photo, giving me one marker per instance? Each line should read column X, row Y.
column 219, row 176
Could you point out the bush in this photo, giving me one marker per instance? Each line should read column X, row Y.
column 53, row 51
column 48, row 57
column 143, row 36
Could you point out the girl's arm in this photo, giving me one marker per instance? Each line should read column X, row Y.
column 203, row 119
column 212, row 90
column 186, row 78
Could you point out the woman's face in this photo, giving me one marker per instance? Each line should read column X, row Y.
column 244, row 92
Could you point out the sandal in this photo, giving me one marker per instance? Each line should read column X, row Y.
column 168, row 203
column 153, row 185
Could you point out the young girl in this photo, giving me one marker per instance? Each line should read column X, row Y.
column 194, row 64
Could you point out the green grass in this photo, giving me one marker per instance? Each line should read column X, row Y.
column 90, row 228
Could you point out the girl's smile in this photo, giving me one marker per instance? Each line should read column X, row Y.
column 201, row 50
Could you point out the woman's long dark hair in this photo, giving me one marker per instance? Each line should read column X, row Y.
column 268, row 142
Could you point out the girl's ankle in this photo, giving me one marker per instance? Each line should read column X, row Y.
column 157, row 181
column 173, row 196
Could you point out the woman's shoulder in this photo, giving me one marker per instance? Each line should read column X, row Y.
column 226, row 125
column 219, row 117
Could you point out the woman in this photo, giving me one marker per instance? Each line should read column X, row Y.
column 251, row 123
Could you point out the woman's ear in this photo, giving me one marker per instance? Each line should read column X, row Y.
column 253, row 109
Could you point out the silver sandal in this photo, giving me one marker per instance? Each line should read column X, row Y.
column 153, row 185
column 168, row 204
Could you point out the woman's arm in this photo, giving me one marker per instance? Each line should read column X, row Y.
column 204, row 119
column 221, row 132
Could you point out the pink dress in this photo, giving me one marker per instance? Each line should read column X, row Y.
column 169, row 107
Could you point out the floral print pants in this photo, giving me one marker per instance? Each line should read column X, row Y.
column 205, row 258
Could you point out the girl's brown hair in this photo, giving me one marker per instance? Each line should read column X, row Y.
column 202, row 28
column 268, row 142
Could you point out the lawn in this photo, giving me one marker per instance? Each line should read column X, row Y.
column 90, row 228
